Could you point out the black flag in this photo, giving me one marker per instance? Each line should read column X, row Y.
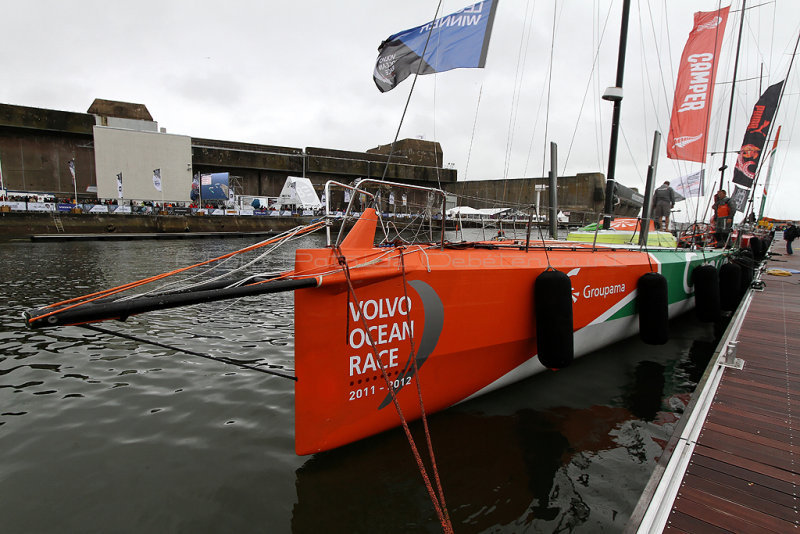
column 739, row 198
column 756, row 135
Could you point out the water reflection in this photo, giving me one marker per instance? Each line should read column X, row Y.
column 129, row 437
column 647, row 390
column 539, row 471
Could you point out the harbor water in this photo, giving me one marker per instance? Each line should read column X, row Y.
column 102, row 434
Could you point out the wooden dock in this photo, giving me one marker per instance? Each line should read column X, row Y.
column 734, row 463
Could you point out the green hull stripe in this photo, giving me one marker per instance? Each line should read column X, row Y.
column 677, row 267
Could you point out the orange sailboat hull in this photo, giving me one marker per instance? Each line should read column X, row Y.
column 469, row 314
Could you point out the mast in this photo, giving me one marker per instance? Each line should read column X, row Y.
column 730, row 107
column 769, row 174
column 614, row 94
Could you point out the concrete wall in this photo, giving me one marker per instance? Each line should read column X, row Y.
column 136, row 155
column 24, row 225
column 37, row 161
column 46, row 119
column 262, row 169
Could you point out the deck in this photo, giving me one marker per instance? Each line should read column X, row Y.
column 734, row 466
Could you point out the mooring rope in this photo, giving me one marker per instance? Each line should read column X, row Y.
column 413, row 357
column 438, row 503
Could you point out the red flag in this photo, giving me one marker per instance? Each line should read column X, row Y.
column 691, row 109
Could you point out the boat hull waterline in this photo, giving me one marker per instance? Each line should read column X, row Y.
column 469, row 313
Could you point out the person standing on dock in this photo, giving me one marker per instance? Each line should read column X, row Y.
column 723, row 217
column 663, row 202
column 789, row 235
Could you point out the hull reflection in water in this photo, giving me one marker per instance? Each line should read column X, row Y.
column 531, row 457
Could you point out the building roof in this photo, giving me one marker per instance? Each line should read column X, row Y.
column 121, row 110
column 45, row 119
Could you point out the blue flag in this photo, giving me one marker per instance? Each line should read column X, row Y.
column 459, row 40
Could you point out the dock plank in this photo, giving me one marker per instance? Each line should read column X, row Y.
column 744, row 483
column 679, row 522
column 762, row 426
column 739, row 495
column 744, row 472
column 747, row 434
column 764, row 455
column 728, row 515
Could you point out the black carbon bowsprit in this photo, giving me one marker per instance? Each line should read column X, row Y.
column 122, row 309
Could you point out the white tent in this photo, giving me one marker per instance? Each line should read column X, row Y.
column 299, row 192
column 462, row 210
column 468, row 212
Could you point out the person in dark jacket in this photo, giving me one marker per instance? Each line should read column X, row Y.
column 789, row 235
column 663, row 202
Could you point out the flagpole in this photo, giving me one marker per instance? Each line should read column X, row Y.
column 160, row 186
column 74, row 180
column 769, row 174
column 4, row 195
column 120, row 193
column 701, row 195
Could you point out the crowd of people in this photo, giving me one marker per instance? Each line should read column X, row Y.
column 111, row 202
column 40, row 202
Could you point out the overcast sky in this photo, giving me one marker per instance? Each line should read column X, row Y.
column 300, row 74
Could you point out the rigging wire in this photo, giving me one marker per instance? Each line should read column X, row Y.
column 288, row 236
column 600, row 129
column 659, row 63
column 785, row 83
column 435, row 87
column 778, row 177
column 91, row 297
column 226, row 361
column 549, row 87
column 472, row 137
column 631, row 154
column 586, row 92
column 410, row 92
column 644, row 74
column 519, row 78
